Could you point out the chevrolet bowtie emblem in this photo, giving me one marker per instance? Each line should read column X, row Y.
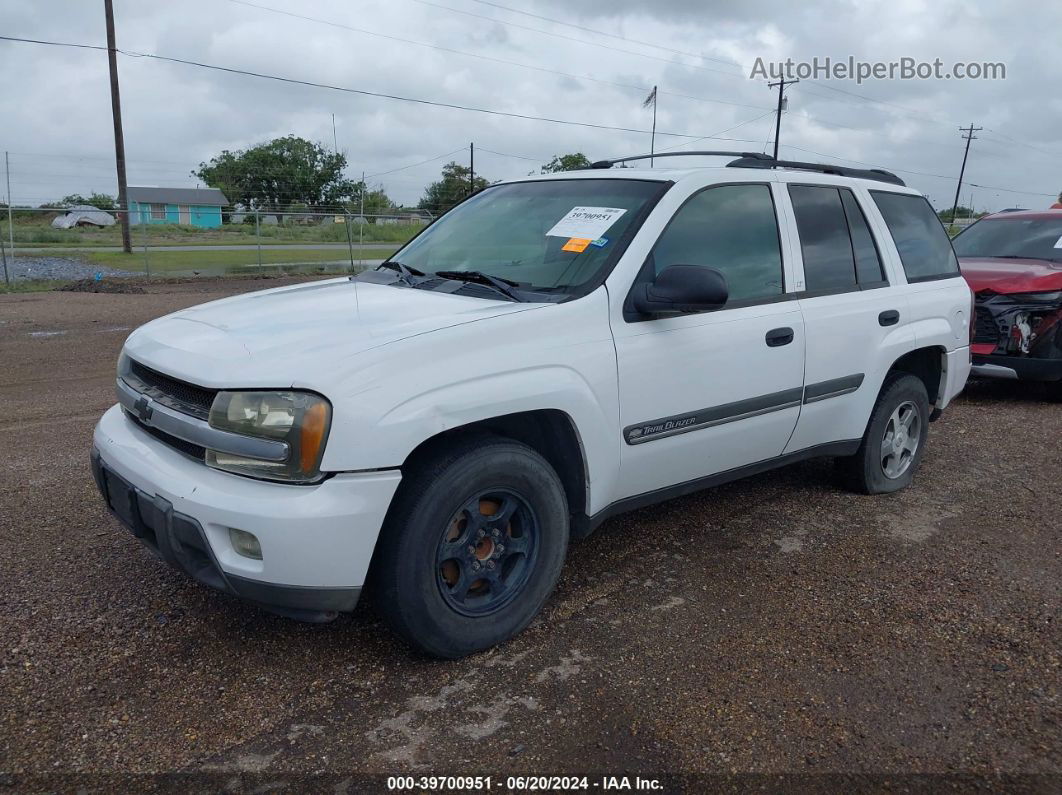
column 142, row 408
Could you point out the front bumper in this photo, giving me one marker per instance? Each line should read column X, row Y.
column 1024, row 368
column 316, row 541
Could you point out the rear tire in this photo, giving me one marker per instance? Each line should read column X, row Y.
column 895, row 439
column 472, row 547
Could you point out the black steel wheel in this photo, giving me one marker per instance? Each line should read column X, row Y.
column 472, row 547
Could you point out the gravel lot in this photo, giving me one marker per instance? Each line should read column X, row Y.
column 775, row 626
column 25, row 268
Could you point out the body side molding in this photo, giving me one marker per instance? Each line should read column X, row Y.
column 835, row 387
column 709, row 417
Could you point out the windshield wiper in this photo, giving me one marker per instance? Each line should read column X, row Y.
column 405, row 273
column 503, row 286
column 1022, row 256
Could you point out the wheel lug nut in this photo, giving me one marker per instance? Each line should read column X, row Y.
column 471, row 550
column 475, row 566
column 481, row 533
column 496, row 533
column 490, row 564
column 501, row 548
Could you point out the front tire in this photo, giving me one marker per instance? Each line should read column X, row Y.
column 895, row 439
column 472, row 547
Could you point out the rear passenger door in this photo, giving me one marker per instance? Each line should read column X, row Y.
column 853, row 316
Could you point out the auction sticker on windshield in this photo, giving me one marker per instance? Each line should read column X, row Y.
column 586, row 223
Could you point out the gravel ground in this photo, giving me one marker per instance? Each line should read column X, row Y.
column 775, row 633
column 23, row 268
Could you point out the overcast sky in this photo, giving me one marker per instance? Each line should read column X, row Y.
column 594, row 64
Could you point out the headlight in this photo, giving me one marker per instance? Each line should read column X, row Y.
column 299, row 418
column 1053, row 297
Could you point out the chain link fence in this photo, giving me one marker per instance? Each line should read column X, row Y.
column 64, row 243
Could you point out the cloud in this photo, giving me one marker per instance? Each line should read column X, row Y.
column 56, row 106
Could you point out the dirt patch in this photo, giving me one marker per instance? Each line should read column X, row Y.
column 101, row 286
column 777, row 625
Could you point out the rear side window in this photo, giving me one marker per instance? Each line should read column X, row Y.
column 924, row 247
column 733, row 229
column 867, row 261
column 835, row 241
column 824, row 240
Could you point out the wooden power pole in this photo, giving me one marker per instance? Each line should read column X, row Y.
column 119, row 138
column 782, row 83
column 969, row 137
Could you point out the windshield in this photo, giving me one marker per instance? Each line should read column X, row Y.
column 552, row 235
column 1032, row 238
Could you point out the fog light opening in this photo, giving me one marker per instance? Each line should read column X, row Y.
column 245, row 544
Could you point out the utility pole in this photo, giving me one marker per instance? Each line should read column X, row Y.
column 10, row 227
column 471, row 168
column 969, row 137
column 651, row 100
column 335, row 141
column 119, row 139
column 10, row 218
column 364, row 220
column 782, row 83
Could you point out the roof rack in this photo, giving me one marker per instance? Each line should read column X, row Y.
column 760, row 160
column 703, row 153
column 877, row 174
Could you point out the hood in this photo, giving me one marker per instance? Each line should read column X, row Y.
column 1011, row 275
column 297, row 335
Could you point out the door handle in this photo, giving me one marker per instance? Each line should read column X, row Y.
column 890, row 317
column 777, row 337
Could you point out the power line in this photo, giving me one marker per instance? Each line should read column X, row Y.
column 716, row 134
column 920, row 115
column 480, row 56
column 583, row 42
column 345, row 89
column 608, row 35
column 518, row 157
column 414, row 165
column 638, row 54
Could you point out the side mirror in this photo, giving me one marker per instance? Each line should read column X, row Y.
column 682, row 288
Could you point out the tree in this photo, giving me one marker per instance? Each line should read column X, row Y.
column 961, row 211
column 453, row 187
column 377, row 202
column 278, row 174
column 100, row 200
column 570, row 162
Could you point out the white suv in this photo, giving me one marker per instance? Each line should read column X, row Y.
column 552, row 351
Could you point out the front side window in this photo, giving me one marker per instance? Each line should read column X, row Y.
column 924, row 248
column 546, row 236
column 733, row 229
column 158, row 212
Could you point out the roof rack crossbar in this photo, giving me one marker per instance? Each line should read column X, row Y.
column 702, row 153
column 876, row 174
column 761, row 160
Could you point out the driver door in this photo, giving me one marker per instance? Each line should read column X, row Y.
column 704, row 393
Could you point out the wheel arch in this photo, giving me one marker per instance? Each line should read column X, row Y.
column 928, row 364
column 550, row 432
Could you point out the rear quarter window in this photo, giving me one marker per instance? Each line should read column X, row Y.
column 924, row 247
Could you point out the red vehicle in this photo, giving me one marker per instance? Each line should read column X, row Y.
column 1013, row 263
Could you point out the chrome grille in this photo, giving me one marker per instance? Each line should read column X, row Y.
column 178, row 395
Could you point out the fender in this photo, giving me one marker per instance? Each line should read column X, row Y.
column 561, row 357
